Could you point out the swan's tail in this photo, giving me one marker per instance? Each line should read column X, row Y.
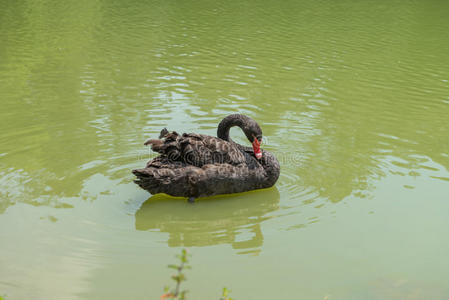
column 163, row 180
column 151, row 179
column 162, row 175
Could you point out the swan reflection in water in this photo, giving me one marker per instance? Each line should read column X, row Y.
column 234, row 220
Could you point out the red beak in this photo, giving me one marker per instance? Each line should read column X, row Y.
column 256, row 148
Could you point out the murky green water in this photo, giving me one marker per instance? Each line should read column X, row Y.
column 353, row 98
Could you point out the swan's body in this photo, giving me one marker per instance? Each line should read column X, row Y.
column 195, row 165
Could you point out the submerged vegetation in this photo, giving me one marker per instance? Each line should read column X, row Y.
column 176, row 292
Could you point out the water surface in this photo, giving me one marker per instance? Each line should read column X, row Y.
column 352, row 97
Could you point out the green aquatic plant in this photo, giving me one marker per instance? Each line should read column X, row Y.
column 225, row 294
column 176, row 293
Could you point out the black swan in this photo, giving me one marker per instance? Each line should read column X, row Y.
column 196, row 165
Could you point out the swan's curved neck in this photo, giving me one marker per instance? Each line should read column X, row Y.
column 226, row 124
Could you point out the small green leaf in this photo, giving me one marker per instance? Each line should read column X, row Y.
column 225, row 294
column 182, row 295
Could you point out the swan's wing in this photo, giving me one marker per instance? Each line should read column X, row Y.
column 162, row 161
column 200, row 150
column 168, row 145
column 197, row 149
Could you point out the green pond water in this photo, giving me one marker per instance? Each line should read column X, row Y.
column 352, row 97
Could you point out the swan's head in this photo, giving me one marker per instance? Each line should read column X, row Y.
column 256, row 147
column 254, row 134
